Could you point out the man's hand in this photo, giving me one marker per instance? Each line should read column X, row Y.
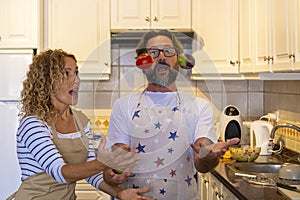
column 115, row 179
column 208, row 150
column 207, row 154
column 221, row 147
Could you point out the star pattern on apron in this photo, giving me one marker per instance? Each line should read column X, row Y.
column 160, row 135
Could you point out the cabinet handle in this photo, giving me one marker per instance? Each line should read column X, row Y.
column 106, row 63
column 155, row 19
column 221, row 196
column 292, row 56
column 217, row 193
column 147, row 19
column 0, row 38
column 233, row 63
column 271, row 59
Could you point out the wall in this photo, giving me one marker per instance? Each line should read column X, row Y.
column 247, row 95
column 254, row 98
column 282, row 95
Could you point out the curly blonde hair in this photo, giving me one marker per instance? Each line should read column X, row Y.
column 43, row 80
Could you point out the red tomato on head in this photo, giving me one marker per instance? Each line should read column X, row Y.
column 144, row 61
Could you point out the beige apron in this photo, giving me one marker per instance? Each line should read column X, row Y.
column 160, row 135
column 42, row 186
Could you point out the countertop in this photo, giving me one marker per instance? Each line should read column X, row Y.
column 244, row 190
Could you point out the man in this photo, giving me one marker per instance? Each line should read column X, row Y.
column 172, row 131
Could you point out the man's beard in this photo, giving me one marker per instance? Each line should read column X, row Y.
column 162, row 80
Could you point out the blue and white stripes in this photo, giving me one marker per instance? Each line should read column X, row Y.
column 37, row 152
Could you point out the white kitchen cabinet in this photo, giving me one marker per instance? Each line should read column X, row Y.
column 215, row 188
column 204, row 185
column 212, row 189
column 150, row 14
column 85, row 191
column 281, row 20
column 81, row 28
column 19, row 24
column 216, row 22
column 295, row 34
column 268, row 34
column 256, row 34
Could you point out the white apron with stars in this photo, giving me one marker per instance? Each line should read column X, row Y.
column 166, row 165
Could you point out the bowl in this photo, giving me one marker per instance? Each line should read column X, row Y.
column 244, row 153
column 290, row 171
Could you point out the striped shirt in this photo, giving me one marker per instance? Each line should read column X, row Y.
column 37, row 153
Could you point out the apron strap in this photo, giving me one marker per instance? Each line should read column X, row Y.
column 79, row 125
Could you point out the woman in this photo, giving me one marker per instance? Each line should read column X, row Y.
column 54, row 141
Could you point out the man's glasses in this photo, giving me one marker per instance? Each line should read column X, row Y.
column 168, row 52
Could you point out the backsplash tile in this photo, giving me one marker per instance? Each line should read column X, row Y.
column 85, row 100
column 108, row 85
column 131, row 78
column 282, row 95
column 290, row 137
column 256, row 86
column 234, row 86
column 210, row 86
column 255, row 104
column 238, row 99
column 104, row 99
column 99, row 119
column 86, row 86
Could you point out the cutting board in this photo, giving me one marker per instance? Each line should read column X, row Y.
column 290, row 194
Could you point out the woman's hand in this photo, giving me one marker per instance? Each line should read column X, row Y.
column 133, row 194
column 117, row 159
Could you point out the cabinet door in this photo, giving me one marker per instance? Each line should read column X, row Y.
column 247, row 37
column 82, row 29
column 216, row 22
column 148, row 14
column 214, row 188
column 255, row 32
column 281, row 17
column 171, row 14
column 204, row 186
column 19, row 24
column 295, row 34
column 130, row 14
column 265, row 35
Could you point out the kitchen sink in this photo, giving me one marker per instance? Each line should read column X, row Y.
column 265, row 174
column 249, row 167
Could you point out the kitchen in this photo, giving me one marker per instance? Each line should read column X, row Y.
column 253, row 50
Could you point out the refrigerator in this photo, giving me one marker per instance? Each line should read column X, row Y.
column 14, row 65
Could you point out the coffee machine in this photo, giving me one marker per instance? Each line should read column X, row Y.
column 230, row 124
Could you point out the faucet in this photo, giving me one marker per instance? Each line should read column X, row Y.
column 274, row 129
